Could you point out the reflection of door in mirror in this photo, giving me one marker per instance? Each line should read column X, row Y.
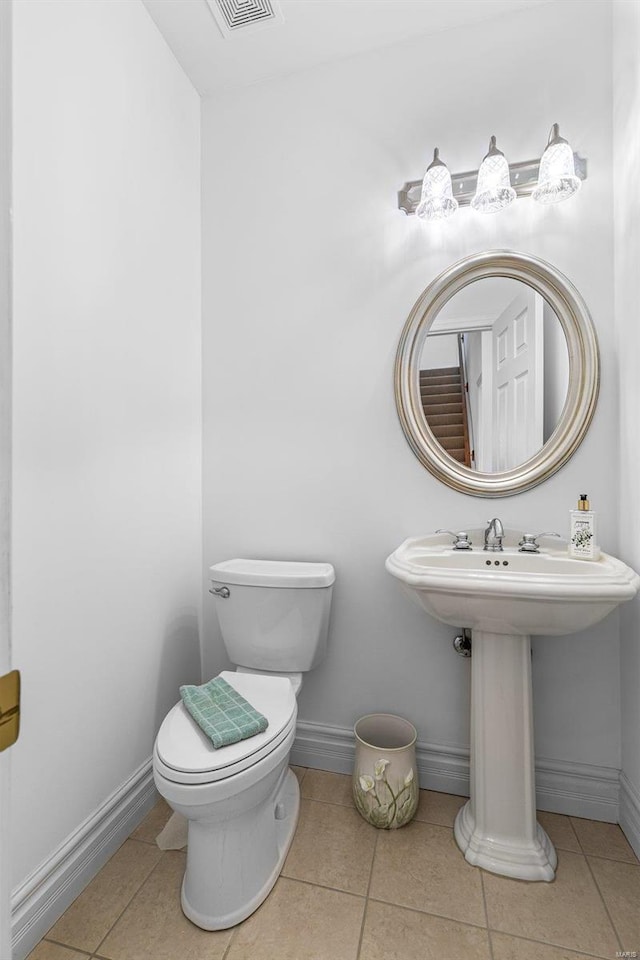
column 477, row 353
column 494, row 374
column 517, row 396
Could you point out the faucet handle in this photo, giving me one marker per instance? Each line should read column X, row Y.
column 460, row 540
column 528, row 543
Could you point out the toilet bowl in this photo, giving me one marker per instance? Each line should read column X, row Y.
column 242, row 801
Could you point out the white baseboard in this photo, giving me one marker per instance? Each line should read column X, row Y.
column 630, row 812
column 44, row 896
column 579, row 789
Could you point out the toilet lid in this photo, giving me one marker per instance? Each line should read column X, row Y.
column 183, row 746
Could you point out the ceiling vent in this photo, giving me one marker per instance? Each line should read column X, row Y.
column 240, row 17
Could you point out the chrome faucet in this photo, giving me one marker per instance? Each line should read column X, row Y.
column 493, row 535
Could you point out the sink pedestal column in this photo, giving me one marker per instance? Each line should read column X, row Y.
column 497, row 829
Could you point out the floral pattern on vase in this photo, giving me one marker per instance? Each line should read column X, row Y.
column 384, row 800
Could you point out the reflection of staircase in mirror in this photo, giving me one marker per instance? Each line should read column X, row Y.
column 445, row 410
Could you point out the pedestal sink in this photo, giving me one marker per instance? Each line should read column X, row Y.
column 504, row 597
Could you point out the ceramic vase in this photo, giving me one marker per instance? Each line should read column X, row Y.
column 385, row 776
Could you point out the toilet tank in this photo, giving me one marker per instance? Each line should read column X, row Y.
column 273, row 614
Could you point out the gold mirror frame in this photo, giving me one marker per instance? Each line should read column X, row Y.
column 582, row 391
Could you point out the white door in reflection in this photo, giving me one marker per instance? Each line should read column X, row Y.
column 517, row 400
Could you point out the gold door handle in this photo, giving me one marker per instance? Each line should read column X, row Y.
column 9, row 709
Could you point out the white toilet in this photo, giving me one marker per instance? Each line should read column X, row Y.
column 242, row 801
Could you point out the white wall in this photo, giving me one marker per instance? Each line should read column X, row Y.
column 477, row 345
column 309, row 274
column 481, row 300
column 106, row 405
column 556, row 370
column 440, row 350
column 5, row 450
column 626, row 133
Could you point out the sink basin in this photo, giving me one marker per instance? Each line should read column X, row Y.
column 510, row 592
column 504, row 597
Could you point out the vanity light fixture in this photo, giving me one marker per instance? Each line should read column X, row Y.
column 437, row 201
column 557, row 179
column 557, row 176
column 493, row 191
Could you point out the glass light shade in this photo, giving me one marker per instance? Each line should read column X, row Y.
column 437, row 201
column 557, row 178
column 493, row 191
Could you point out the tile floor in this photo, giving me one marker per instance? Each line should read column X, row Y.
column 351, row 892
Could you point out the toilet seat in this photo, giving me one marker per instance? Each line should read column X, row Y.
column 184, row 754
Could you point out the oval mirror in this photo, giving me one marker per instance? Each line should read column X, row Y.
column 497, row 374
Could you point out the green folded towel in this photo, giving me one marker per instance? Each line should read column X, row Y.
column 221, row 712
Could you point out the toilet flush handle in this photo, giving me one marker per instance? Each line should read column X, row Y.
column 223, row 592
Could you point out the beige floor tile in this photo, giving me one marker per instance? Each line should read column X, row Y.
column 299, row 772
column 560, row 831
column 513, row 948
column 567, row 912
column 53, row 951
column 299, row 921
column 438, row 807
column 329, row 787
column 420, row 866
column 393, row 933
column 153, row 823
column 153, row 926
column 333, row 846
column 603, row 840
column 620, row 887
column 97, row 908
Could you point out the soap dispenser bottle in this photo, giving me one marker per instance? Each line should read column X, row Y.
column 582, row 540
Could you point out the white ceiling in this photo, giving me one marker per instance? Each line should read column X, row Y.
column 313, row 32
